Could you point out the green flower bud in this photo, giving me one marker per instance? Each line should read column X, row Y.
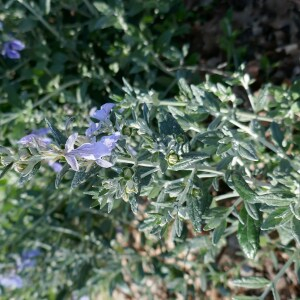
column 130, row 187
column 127, row 173
column 172, row 158
column 126, row 131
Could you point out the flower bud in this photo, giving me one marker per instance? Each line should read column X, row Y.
column 172, row 158
column 130, row 187
column 126, row 131
column 127, row 173
column 20, row 167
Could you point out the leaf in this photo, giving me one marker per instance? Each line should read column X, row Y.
column 215, row 123
column 30, row 174
column 296, row 229
column 57, row 135
column 196, row 208
column 218, row 232
column 248, row 234
column 206, row 99
column 243, row 188
column 4, row 150
column 82, row 176
column 60, row 175
column 184, row 88
column 273, row 199
column 247, row 151
column 6, row 169
column 273, row 220
column 223, row 164
column 146, row 114
column 189, row 162
column 252, row 210
column 277, row 134
column 169, row 125
column 251, row 282
column 178, row 226
column 295, row 209
column 133, row 204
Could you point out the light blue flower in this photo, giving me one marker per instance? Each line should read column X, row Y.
column 36, row 137
column 12, row 48
column 11, row 281
column 28, row 259
column 102, row 115
column 94, row 151
column 56, row 166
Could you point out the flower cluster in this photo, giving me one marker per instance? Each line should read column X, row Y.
column 39, row 139
column 13, row 280
column 93, row 149
column 11, row 46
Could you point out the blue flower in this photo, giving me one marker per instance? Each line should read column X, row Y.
column 36, row 137
column 28, row 258
column 102, row 115
column 11, row 49
column 1, row 26
column 94, row 151
column 57, row 167
column 11, row 281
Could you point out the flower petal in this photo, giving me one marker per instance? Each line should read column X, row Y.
column 103, row 163
column 72, row 161
column 110, row 140
column 17, row 45
column 91, row 151
column 71, row 141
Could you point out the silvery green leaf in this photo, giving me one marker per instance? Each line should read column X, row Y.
column 247, row 151
column 271, row 222
column 30, row 173
column 82, row 176
column 223, row 148
column 248, row 234
column 207, row 99
column 184, row 88
column 224, row 163
column 189, row 161
column 251, row 282
column 295, row 209
column 277, row 134
column 242, row 188
column 59, row 137
column 196, row 209
column 60, row 175
column 6, row 169
column 178, row 226
column 296, row 229
column 215, row 123
column 169, row 125
column 146, row 113
column 133, row 204
column 4, row 150
column 252, row 210
column 272, row 199
column 218, row 232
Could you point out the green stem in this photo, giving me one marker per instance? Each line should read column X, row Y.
column 43, row 100
column 41, row 19
column 267, row 144
column 278, row 276
column 239, row 113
